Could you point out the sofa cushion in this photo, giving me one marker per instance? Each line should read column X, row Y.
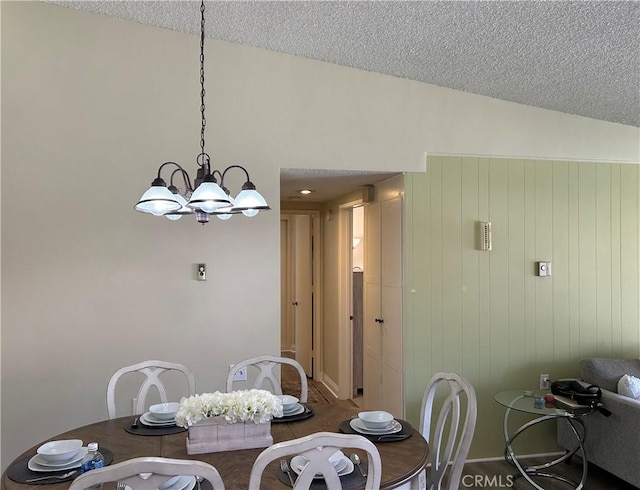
column 605, row 372
column 629, row 386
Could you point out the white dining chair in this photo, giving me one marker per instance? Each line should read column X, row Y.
column 266, row 378
column 449, row 442
column 152, row 370
column 150, row 473
column 317, row 449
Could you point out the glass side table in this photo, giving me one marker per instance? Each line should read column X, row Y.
column 523, row 401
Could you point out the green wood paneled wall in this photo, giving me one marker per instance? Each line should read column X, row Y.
column 486, row 314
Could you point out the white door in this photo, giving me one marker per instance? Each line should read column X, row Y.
column 391, row 306
column 371, row 333
column 382, row 330
column 303, row 293
column 286, row 287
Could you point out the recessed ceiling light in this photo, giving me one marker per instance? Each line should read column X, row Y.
column 305, row 191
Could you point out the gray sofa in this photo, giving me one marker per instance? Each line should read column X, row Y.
column 612, row 443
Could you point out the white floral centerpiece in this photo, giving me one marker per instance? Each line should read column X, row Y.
column 227, row 421
column 257, row 406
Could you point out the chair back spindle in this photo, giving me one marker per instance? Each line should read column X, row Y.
column 152, row 370
column 449, row 441
column 267, row 377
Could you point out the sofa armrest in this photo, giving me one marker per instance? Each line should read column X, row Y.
column 623, row 408
column 611, row 442
column 616, row 398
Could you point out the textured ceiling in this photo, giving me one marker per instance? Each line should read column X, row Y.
column 578, row 57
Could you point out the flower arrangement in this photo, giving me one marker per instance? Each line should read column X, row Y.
column 257, row 406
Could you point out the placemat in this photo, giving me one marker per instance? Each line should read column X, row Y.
column 405, row 433
column 145, row 430
column 19, row 471
column 202, row 485
column 349, row 482
column 308, row 412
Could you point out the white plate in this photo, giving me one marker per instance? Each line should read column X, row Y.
column 169, row 483
column 34, row 463
column 183, row 483
column 149, row 418
column 297, row 410
column 358, row 426
column 145, row 419
column 54, row 466
column 299, row 462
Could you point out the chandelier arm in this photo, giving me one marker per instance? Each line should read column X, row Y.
column 219, row 175
column 169, row 163
column 234, row 166
column 185, row 178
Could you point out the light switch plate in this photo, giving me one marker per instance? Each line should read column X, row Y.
column 240, row 374
column 201, row 272
column 544, row 269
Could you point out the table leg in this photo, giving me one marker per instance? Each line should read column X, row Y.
column 538, row 470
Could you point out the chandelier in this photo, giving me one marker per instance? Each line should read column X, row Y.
column 206, row 197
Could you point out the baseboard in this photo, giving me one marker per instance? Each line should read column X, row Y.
column 329, row 384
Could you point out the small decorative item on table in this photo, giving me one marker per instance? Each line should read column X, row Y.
column 228, row 421
column 538, row 402
column 549, row 401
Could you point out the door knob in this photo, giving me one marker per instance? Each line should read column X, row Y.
column 295, row 303
column 379, row 320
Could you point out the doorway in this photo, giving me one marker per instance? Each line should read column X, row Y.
column 382, row 336
column 357, row 302
column 333, row 197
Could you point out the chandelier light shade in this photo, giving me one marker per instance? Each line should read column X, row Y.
column 225, row 212
column 206, row 197
column 158, row 200
column 184, row 209
column 250, row 201
column 209, row 196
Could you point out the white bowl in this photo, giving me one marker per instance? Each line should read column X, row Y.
column 288, row 402
column 336, row 457
column 164, row 411
column 375, row 419
column 59, row 451
column 170, row 482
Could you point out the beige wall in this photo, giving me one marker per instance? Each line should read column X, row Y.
column 486, row 314
column 92, row 105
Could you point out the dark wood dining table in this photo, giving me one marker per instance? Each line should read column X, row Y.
column 401, row 460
